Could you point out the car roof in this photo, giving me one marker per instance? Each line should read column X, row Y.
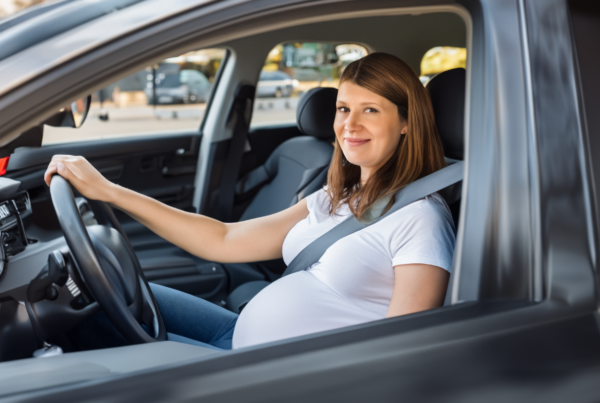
column 24, row 50
column 45, row 21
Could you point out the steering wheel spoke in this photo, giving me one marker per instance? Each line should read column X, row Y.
column 150, row 316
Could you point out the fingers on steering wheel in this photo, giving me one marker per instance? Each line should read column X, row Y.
column 57, row 165
column 64, row 165
column 51, row 170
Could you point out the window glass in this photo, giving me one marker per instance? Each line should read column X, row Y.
column 169, row 97
column 291, row 69
column 442, row 58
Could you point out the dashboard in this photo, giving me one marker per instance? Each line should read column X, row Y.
column 42, row 293
column 13, row 213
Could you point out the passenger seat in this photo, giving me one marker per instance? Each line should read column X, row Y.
column 298, row 167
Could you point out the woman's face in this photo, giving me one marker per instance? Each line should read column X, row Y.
column 368, row 127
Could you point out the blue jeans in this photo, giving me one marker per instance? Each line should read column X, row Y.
column 188, row 319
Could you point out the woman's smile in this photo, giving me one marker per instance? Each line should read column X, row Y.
column 353, row 142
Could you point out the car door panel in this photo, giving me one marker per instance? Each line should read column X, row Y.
column 162, row 167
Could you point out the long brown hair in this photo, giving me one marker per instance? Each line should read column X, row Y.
column 419, row 151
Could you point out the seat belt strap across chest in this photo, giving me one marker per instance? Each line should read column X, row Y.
column 411, row 193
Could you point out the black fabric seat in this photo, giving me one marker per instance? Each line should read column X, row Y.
column 298, row 167
column 447, row 92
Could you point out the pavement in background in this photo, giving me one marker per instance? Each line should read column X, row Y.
column 128, row 121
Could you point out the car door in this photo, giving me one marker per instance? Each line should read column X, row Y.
column 524, row 320
column 524, row 324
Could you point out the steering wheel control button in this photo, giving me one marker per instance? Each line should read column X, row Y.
column 73, row 287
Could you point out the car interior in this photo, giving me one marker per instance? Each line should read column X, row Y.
column 231, row 169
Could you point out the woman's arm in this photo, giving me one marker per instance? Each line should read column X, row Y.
column 247, row 241
column 417, row 287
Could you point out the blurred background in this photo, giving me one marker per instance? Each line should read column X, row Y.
column 8, row 7
column 172, row 95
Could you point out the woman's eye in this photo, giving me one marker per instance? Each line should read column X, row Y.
column 343, row 109
column 371, row 110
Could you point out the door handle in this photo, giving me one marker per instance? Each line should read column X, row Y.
column 170, row 171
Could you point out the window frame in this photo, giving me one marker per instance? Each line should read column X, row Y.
column 198, row 126
column 279, row 75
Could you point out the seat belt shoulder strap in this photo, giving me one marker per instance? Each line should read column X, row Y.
column 412, row 192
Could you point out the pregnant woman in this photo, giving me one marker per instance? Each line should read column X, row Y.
column 386, row 138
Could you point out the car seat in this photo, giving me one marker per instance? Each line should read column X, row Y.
column 447, row 92
column 298, row 167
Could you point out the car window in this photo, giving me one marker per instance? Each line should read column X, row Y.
column 290, row 70
column 168, row 97
column 442, row 58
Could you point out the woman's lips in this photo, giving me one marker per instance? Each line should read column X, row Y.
column 356, row 142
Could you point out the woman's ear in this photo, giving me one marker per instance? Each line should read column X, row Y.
column 404, row 130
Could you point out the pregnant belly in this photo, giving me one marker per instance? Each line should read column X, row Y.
column 295, row 305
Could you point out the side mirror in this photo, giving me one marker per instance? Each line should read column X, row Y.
column 73, row 115
column 80, row 109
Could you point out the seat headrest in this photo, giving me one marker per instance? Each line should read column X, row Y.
column 447, row 92
column 316, row 112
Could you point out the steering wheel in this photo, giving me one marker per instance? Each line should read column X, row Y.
column 109, row 268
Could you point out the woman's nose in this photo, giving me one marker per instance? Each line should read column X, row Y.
column 352, row 122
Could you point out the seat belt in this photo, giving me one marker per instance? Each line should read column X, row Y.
column 241, row 111
column 410, row 193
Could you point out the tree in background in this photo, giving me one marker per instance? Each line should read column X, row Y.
column 442, row 58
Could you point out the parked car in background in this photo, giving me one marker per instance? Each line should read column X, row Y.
column 177, row 87
column 275, row 84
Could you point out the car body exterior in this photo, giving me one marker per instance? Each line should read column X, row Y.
column 523, row 320
column 174, row 86
column 275, row 84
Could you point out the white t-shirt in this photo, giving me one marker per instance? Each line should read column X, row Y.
column 353, row 281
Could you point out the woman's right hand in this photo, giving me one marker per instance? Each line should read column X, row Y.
column 82, row 175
